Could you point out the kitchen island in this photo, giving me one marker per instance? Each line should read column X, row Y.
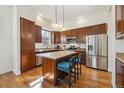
column 119, row 70
column 49, row 61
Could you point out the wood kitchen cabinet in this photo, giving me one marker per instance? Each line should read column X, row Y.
column 119, row 74
column 100, row 29
column 119, row 18
column 57, row 37
column 119, row 13
column 38, row 34
column 28, row 61
column 81, row 33
column 80, row 36
column 63, row 37
column 27, row 37
column 83, row 56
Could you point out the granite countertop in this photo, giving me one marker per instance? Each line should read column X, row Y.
column 82, row 49
column 120, row 57
column 57, row 55
column 52, row 49
column 45, row 49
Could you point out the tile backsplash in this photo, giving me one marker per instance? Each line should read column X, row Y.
column 39, row 45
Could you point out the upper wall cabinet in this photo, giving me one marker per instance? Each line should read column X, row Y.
column 81, row 33
column 57, row 37
column 100, row 29
column 38, row 35
column 119, row 22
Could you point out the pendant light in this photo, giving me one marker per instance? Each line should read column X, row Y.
column 56, row 16
column 63, row 18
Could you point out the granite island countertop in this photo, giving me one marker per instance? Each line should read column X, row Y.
column 52, row 50
column 120, row 57
column 57, row 55
column 47, row 50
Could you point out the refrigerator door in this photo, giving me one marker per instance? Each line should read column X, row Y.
column 103, row 64
column 102, row 45
column 97, row 51
column 96, row 45
column 97, row 62
column 87, row 43
column 92, row 61
column 91, row 44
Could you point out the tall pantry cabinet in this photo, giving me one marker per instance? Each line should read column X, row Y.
column 27, row 37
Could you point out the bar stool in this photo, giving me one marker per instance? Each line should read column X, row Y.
column 67, row 67
column 78, row 65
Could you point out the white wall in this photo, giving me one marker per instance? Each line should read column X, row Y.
column 112, row 45
column 27, row 12
column 5, row 39
column 16, row 42
column 120, row 45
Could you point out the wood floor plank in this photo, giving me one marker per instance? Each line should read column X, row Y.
column 90, row 78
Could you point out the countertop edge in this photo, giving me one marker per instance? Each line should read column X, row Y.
column 122, row 61
column 53, row 58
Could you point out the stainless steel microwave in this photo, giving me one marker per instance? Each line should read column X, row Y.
column 71, row 40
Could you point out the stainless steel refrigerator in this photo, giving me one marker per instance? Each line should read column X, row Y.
column 97, row 51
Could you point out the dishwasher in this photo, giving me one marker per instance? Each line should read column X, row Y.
column 38, row 60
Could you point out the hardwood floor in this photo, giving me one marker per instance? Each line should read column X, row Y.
column 90, row 78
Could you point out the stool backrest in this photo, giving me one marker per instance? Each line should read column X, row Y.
column 72, row 62
column 78, row 58
column 73, row 59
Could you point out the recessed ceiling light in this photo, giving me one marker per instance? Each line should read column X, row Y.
column 79, row 17
column 40, row 15
column 63, row 29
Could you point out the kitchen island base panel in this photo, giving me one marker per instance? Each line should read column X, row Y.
column 49, row 70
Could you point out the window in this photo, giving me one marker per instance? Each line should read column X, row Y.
column 46, row 36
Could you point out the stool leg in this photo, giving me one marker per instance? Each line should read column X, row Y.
column 80, row 68
column 57, row 76
column 77, row 72
column 69, row 80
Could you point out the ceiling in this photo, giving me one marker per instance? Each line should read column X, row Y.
column 71, row 13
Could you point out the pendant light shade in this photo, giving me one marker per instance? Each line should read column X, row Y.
column 63, row 18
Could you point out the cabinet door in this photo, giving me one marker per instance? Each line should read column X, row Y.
column 100, row 29
column 27, row 30
column 57, row 36
column 38, row 35
column 119, row 74
column 63, row 37
column 83, row 57
column 119, row 18
column 81, row 35
column 27, row 61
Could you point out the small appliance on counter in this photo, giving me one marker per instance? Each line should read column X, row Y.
column 72, row 48
column 56, row 47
